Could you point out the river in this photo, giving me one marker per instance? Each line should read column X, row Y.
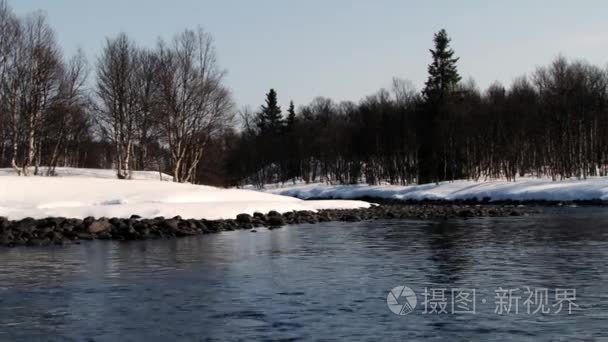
column 328, row 281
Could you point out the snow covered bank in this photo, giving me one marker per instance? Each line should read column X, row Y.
column 92, row 173
column 524, row 189
column 79, row 197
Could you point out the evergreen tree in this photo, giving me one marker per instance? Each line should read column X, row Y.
column 443, row 78
column 292, row 153
column 443, row 73
column 270, row 118
column 291, row 115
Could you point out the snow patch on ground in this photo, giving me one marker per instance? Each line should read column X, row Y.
column 78, row 193
column 524, row 189
column 91, row 173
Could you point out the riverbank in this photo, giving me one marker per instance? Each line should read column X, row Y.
column 62, row 231
column 593, row 190
column 79, row 194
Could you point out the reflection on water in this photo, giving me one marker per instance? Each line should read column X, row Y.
column 310, row 282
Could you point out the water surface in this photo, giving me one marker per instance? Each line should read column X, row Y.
column 326, row 281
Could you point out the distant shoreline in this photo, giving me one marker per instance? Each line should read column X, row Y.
column 472, row 201
column 64, row 231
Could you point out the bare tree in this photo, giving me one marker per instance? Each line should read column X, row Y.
column 118, row 99
column 30, row 80
column 194, row 103
column 403, row 90
column 43, row 65
column 147, row 91
column 68, row 110
column 11, row 74
column 7, row 37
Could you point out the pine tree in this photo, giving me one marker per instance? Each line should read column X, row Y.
column 292, row 153
column 270, row 118
column 443, row 73
column 269, row 141
column 291, row 115
column 443, row 78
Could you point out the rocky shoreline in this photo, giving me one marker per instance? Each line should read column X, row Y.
column 61, row 231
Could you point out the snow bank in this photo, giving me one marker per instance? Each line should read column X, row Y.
column 76, row 196
column 92, row 173
column 524, row 189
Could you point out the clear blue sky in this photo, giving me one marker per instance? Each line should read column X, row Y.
column 344, row 49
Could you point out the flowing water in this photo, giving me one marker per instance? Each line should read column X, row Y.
column 326, row 281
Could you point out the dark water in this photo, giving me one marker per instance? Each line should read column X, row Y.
column 307, row 282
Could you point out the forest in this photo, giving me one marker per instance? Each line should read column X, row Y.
column 167, row 108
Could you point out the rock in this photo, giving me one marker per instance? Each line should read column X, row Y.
column 70, row 234
column 6, row 238
column 246, row 226
column 184, row 232
column 27, row 225
column 125, row 231
column 351, row 218
column 100, row 226
column 58, row 230
column 466, row 213
column 55, row 236
column 276, row 221
column 243, row 218
column 289, row 216
column 42, row 232
column 232, row 224
column 88, row 220
column 172, row 224
column 79, row 228
column 324, row 217
column 3, row 223
column 115, row 221
column 253, row 231
column 258, row 222
column 259, row 216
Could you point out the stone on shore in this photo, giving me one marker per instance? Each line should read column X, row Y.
column 99, row 226
column 60, row 231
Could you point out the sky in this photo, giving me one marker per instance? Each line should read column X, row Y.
column 343, row 49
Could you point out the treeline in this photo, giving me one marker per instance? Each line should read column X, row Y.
column 553, row 122
column 157, row 108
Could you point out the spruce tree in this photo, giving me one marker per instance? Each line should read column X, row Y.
column 442, row 81
column 292, row 155
column 443, row 73
column 291, row 115
column 269, row 145
column 270, row 118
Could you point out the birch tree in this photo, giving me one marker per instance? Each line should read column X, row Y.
column 117, row 95
column 194, row 103
column 33, row 79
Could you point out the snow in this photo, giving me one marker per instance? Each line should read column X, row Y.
column 92, row 173
column 78, row 193
column 524, row 189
